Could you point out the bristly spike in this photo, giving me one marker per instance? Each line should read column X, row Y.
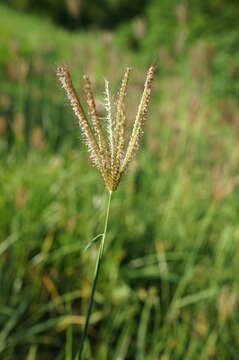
column 120, row 120
column 139, row 121
column 65, row 79
column 96, row 121
column 109, row 118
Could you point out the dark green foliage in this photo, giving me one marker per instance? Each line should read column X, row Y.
column 78, row 13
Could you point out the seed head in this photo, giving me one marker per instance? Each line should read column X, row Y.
column 108, row 155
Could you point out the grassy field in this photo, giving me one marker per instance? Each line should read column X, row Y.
column 169, row 284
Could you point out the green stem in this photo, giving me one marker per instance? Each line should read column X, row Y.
column 96, row 275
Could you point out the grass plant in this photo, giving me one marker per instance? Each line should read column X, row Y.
column 110, row 158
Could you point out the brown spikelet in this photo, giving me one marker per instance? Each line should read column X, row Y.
column 139, row 121
column 95, row 120
column 65, row 79
column 120, row 126
column 111, row 161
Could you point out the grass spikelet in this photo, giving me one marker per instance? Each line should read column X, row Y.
column 65, row 80
column 120, row 126
column 109, row 120
column 96, row 121
column 139, row 121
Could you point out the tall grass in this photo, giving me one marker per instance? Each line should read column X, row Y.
column 110, row 155
column 169, row 289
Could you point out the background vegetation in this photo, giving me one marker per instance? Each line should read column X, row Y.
column 169, row 285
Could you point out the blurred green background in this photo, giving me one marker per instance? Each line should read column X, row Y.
column 169, row 284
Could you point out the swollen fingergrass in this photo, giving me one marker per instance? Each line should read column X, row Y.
column 108, row 150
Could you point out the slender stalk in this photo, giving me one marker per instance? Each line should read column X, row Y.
column 96, row 275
